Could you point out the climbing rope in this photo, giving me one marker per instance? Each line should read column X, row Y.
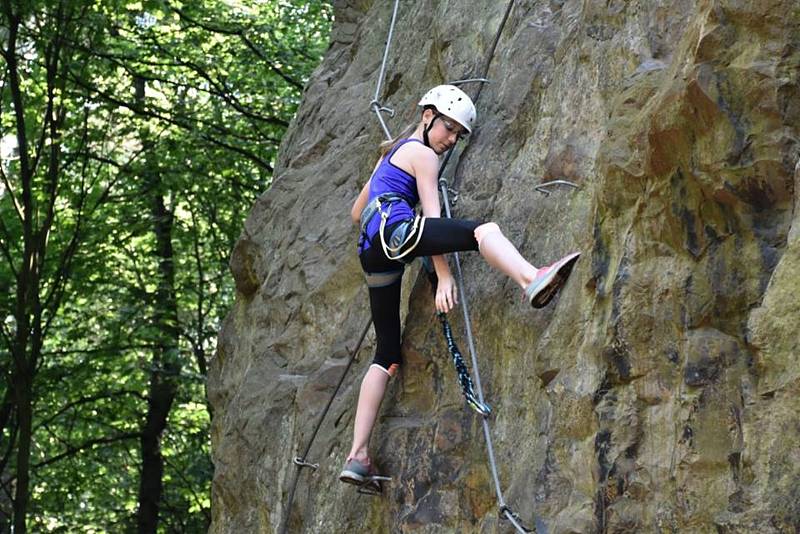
column 461, row 368
column 376, row 104
column 503, row 509
column 300, row 461
column 479, row 404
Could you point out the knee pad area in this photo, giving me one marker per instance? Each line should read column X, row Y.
column 376, row 280
column 390, row 366
column 485, row 229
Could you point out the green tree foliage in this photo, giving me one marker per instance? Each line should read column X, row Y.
column 135, row 136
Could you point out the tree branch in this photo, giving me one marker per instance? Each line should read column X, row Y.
column 274, row 68
column 242, row 34
column 222, row 91
column 188, row 484
column 90, row 444
column 6, row 250
column 188, row 127
column 98, row 350
column 86, row 400
column 12, row 194
column 10, row 55
column 198, row 345
column 9, row 452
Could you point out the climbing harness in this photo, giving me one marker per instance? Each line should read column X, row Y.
column 402, row 234
column 383, row 279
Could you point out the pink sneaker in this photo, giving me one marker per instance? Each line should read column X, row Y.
column 549, row 280
column 363, row 475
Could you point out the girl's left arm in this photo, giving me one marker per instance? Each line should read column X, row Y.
column 426, row 169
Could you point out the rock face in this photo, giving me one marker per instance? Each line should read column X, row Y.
column 659, row 393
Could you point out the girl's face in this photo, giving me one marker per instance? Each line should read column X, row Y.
column 445, row 132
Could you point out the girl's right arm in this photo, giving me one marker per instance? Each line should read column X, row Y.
column 363, row 197
column 360, row 203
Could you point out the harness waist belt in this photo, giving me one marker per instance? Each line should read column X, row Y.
column 375, row 206
column 401, row 235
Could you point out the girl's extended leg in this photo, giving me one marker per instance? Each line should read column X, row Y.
column 442, row 235
column 504, row 256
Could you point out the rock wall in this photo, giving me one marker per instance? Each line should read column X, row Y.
column 659, row 393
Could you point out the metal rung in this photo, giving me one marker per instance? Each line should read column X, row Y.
column 542, row 188
column 381, row 108
column 470, row 80
column 302, row 463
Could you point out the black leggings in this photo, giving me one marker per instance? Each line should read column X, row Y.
column 439, row 236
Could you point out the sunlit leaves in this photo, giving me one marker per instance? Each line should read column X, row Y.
column 199, row 92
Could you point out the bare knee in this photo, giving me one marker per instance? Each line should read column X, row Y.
column 485, row 229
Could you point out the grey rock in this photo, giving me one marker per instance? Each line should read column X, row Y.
column 659, row 393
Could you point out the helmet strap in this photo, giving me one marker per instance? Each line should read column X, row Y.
column 427, row 129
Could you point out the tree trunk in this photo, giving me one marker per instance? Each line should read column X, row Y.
column 165, row 368
column 166, row 365
column 22, row 486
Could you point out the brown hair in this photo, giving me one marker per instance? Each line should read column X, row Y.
column 387, row 146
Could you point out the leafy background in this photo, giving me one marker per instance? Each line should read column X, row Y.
column 135, row 136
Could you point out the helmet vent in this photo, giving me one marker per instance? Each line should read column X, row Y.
column 453, row 102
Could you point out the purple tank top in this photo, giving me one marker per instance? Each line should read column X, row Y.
column 389, row 178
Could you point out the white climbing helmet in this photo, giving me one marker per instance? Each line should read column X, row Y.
column 451, row 101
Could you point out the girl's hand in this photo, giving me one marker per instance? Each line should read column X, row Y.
column 446, row 294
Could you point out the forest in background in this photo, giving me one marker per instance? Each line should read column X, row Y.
column 134, row 137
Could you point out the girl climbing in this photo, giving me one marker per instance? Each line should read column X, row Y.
column 392, row 235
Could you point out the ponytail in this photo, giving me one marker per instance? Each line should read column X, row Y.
column 387, row 146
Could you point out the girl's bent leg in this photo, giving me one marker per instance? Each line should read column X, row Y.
column 369, row 402
column 501, row 254
column 443, row 235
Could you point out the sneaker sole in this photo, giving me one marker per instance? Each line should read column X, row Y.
column 351, row 477
column 368, row 485
column 553, row 283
